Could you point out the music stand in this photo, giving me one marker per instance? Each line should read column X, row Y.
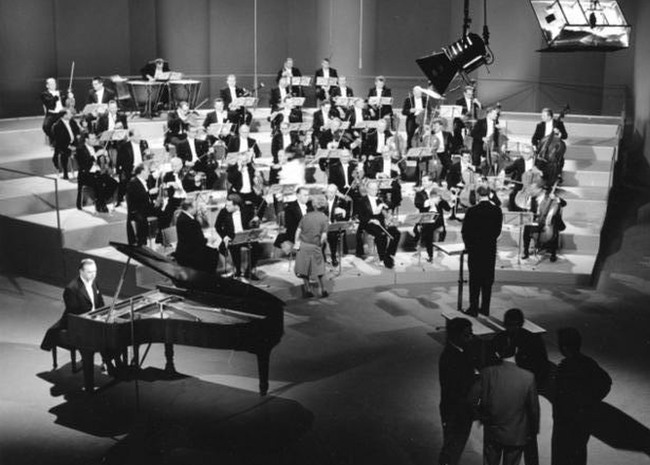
column 518, row 220
column 416, row 219
column 456, row 249
column 247, row 238
column 340, row 228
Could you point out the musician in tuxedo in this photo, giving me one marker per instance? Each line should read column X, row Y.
column 545, row 127
column 287, row 112
column 428, row 200
column 232, row 219
column 245, row 182
column 54, row 103
column 177, row 124
column 98, row 93
column 484, row 132
column 375, row 144
column 480, row 231
column 172, row 183
column 340, row 172
column 279, row 93
column 289, row 71
column 237, row 115
column 342, row 90
column 155, row 69
column 515, row 171
column 373, row 222
column 442, row 142
column 192, row 248
column 457, row 373
column 130, row 153
column 282, row 139
column 65, row 133
column 325, row 71
column 139, row 206
column 242, row 142
column 469, row 103
column 218, row 115
column 455, row 174
column 360, row 112
column 416, row 107
column 338, row 209
column 547, row 209
column 112, row 119
column 322, row 118
column 85, row 156
column 380, row 90
column 192, row 148
column 293, row 213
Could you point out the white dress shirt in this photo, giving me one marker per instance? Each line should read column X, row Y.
column 246, row 180
column 373, row 205
column 100, row 95
column 137, row 153
column 89, row 289
column 236, row 221
column 548, row 128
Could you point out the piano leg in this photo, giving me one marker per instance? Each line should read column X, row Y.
column 263, row 370
column 88, row 366
column 169, row 355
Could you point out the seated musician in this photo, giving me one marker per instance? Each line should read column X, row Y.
column 243, row 143
column 235, row 217
column 483, row 133
column 375, row 144
column 194, row 147
column 178, row 123
column 325, row 71
column 65, row 133
column 380, row 90
column 130, row 153
column 282, row 139
column 237, row 115
column 155, row 70
column 340, row 172
column 293, row 213
column 515, row 171
column 426, row 200
column 461, row 180
column 98, row 93
column 289, row 71
column 550, row 155
column 111, row 120
column 218, row 115
column 385, row 168
column 546, row 127
column 192, row 249
column 95, row 171
column 373, row 221
column 279, row 93
column 547, row 208
column 173, row 184
column 321, row 120
column 338, row 209
column 245, row 181
column 416, row 107
column 287, row 112
column 469, row 103
column 492, row 196
column 442, row 142
column 139, row 205
column 54, row 103
column 342, row 90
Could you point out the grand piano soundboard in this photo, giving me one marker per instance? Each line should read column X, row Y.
column 200, row 309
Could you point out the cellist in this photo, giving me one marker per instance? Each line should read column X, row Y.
column 548, row 216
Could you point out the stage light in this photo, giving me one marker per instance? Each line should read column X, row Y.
column 459, row 58
column 576, row 25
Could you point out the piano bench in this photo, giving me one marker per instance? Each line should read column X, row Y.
column 62, row 341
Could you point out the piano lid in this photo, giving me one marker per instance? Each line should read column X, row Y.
column 190, row 278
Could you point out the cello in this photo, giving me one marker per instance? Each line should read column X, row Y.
column 548, row 230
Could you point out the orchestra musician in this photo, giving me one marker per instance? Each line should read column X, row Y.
column 293, row 213
column 428, row 200
column 139, row 205
column 442, row 142
column 515, row 171
column 192, row 248
column 416, row 108
column 484, row 132
column 279, row 93
column 321, row 119
column 547, row 208
column 288, row 112
column 218, row 115
column 283, row 139
column 155, row 70
column 54, row 104
column 480, row 231
column 173, row 190
column 338, row 209
column 112, row 119
column 461, row 180
column 237, row 115
column 492, row 194
column 98, row 93
column 325, row 71
column 289, row 71
column 100, row 181
column 546, row 127
column 550, row 156
column 242, row 142
column 241, row 174
column 360, row 112
column 469, row 103
column 65, row 133
column 341, row 172
column 178, row 123
column 380, row 90
column 193, row 148
column 342, row 90
column 373, row 221
column 375, row 144
column 234, row 218
column 130, row 153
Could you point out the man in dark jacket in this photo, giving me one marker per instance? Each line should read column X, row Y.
column 192, row 249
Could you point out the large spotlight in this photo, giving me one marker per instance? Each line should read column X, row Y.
column 576, row 25
column 461, row 57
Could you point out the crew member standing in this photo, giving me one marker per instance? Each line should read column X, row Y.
column 480, row 231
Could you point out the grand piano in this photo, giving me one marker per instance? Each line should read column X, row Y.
column 199, row 309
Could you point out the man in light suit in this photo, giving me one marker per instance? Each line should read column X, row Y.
column 506, row 397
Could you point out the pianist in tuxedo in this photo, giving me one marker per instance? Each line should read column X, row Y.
column 139, row 206
column 372, row 220
column 338, row 209
column 130, row 153
column 192, row 249
column 111, row 120
column 287, row 112
column 178, row 123
column 235, row 217
column 545, row 127
column 428, row 200
column 282, row 139
column 237, row 115
column 155, row 70
column 325, row 71
column 380, row 90
column 65, row 133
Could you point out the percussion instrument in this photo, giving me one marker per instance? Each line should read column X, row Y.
column 146, row 96
column 184, row 90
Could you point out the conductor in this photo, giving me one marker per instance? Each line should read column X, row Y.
column 480, row 231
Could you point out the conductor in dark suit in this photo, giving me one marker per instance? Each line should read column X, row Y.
column 506, row 397
column 457, row 372
column 233, row 219
column 139, row 206
column 480, row 231
column 545, row 127
column 192, row 249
